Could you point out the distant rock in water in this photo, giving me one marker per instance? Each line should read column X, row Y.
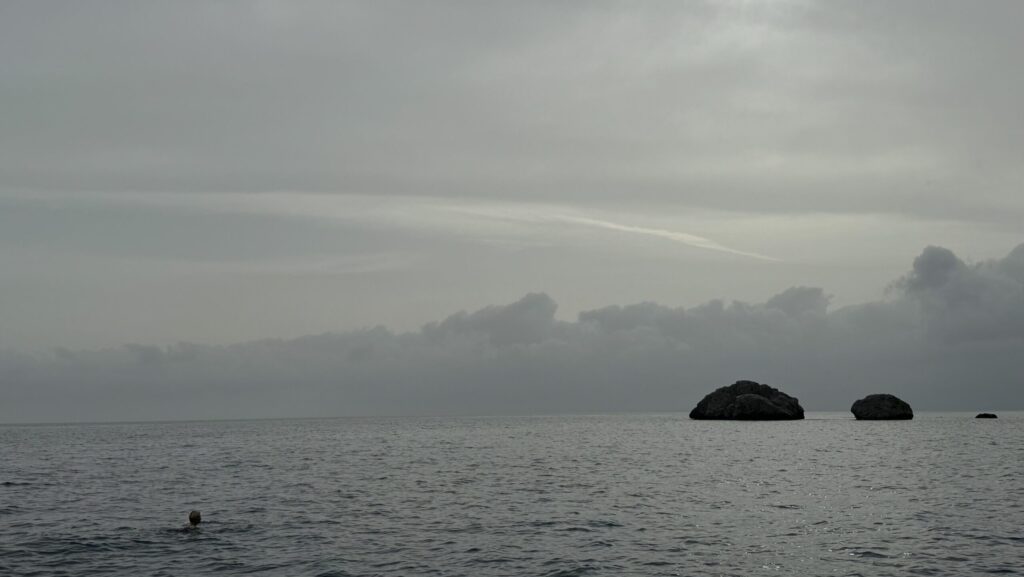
column 881, row 408
column 986, row 416
column 748, row 401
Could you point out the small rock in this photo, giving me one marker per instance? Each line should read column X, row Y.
column 986, row 416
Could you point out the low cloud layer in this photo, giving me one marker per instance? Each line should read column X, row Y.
column 949, row 337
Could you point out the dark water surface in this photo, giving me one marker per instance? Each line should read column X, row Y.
column 556, row 496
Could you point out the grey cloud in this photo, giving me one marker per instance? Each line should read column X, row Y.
column 785, row 107
column 800, row 300
column 527, row 321
column 968, row 303
column 933, row 269
column 950, row 337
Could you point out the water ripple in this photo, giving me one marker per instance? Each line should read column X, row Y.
column 553, row 496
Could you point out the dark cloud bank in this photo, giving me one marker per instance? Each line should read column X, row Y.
column 949, row 336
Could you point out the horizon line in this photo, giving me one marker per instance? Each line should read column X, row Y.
column 456, row 416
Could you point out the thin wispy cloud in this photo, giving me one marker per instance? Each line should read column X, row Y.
column 541, row 214
column 435, row 214
column 675, row 236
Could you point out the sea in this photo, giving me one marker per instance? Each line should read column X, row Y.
column 555, row 496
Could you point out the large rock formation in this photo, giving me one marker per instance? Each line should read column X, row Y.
column 748, row 401
column 881, row 408
column 986, row 416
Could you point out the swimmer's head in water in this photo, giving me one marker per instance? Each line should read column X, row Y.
column 194, row 518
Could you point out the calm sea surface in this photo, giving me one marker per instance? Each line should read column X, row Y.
column 557, row 496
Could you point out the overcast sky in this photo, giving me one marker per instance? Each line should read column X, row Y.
column 224, row 172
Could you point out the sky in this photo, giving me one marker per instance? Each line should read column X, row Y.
column 189, row 190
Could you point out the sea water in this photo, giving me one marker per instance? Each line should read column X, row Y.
column 628, row 494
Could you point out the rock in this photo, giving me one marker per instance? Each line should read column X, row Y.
column 748, row 401
column 881, row 408
column 986, row 416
